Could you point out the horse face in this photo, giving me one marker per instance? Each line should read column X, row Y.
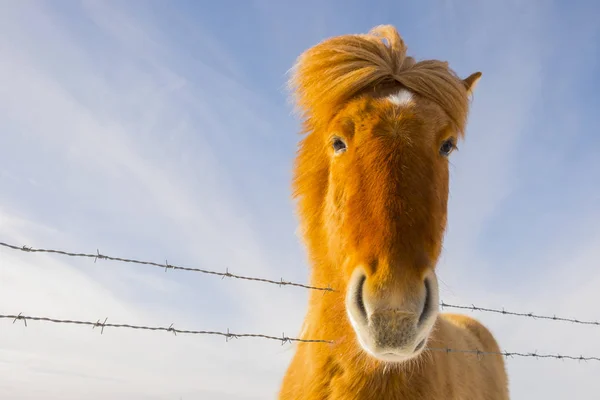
column 385, row 215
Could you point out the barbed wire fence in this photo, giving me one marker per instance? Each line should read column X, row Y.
column 166, row 266
column 283, row 338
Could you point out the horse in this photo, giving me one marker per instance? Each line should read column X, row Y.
column 371, row 180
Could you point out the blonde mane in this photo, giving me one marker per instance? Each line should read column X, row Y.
column 334, row 71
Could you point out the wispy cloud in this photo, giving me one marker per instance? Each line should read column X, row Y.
column 120, row 164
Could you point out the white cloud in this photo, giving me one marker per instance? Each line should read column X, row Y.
column 121, row 363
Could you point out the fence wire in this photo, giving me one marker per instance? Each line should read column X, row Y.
column 166, row 266
column 104, row 324
column 281, row 282
column 283, row 338
column 530, row 315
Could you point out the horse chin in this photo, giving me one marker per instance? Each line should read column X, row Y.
column 391, row 355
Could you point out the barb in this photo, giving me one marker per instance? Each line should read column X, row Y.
column 228, row 335
column 283, row 338
column 20, row 317
column 529, row 315
column 101, row 324
column 166, row 266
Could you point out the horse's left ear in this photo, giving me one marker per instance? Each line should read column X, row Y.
column 471, row 81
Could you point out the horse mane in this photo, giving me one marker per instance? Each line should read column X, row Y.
column 338, row 69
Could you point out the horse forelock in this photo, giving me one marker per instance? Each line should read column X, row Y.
column 328, row 75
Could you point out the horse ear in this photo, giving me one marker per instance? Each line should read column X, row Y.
column 471, row 81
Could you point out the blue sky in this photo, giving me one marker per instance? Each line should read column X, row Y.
column 165, row 132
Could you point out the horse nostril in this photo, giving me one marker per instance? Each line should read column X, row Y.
column 427, row 306
column 359, row 296
column 420, row 345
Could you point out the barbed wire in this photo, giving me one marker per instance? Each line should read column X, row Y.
column 104, row 324
column 282, row 282
column 530, row 315
column 509, row 354
column 283, row 339
column 166, row 266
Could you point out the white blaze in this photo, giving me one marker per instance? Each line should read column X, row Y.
column 402, row 98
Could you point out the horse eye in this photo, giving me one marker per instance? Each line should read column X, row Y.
column 447, row 147
column 338, row 145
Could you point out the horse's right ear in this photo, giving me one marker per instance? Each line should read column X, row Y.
column 471, row 81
